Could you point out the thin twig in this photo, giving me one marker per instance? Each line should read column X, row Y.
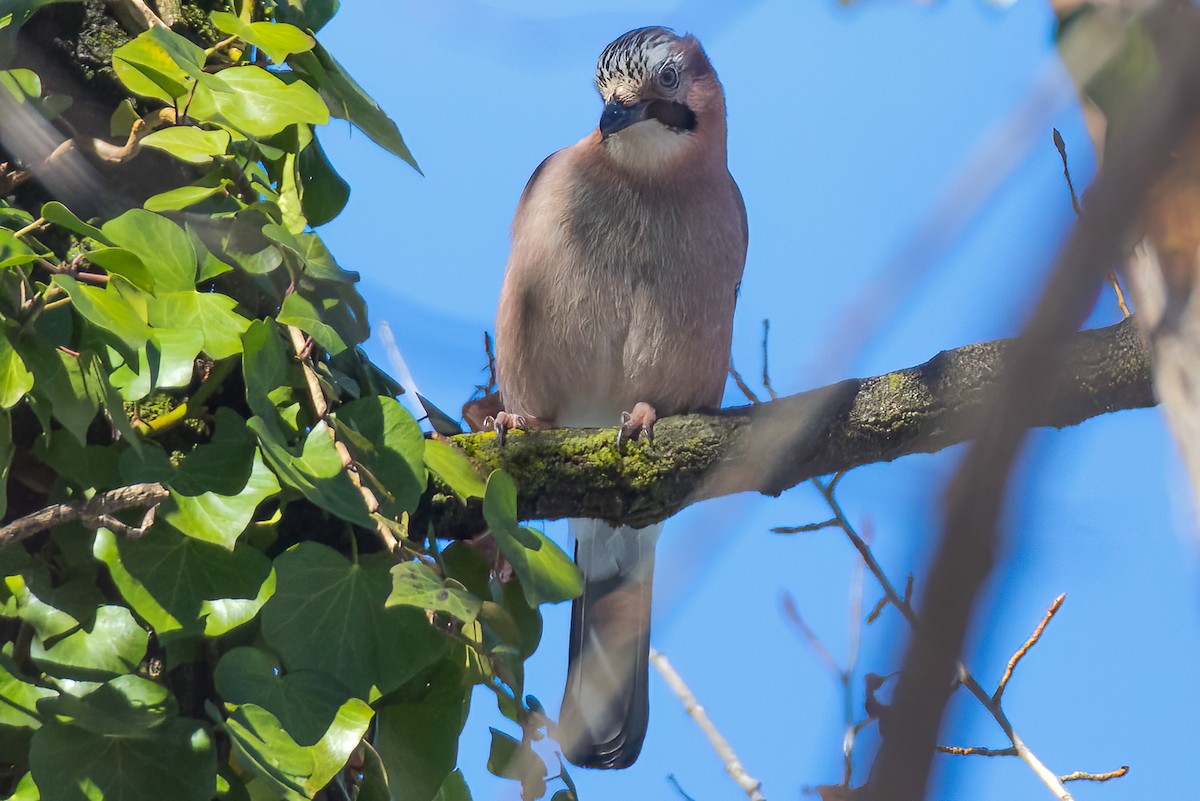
column 977, row 750
column 751, row 786
column 964, row 676
column 766, row 376
column 1112, row 275
column 678, row 787
column 805, row 528
column 793, row 614
column 1079, row 775
column 1024, row 649
column 742, row 385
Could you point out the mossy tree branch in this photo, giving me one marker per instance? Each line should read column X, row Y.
column 770, row 447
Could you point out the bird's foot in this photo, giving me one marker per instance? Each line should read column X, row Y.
column 636, row 423
column 477, row 412
column 504, row 422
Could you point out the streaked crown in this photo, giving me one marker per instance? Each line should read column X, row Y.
column 634, row 57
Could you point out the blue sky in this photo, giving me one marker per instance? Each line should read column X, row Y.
column 904, row 197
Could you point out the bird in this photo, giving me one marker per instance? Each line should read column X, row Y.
column 617, row 306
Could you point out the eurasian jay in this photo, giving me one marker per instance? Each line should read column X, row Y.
column 618, row 301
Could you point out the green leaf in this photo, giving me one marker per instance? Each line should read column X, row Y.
column 222, row 615
column 454, row 788
column 159, row 63
column 256, row 102
column 177, row 350
column 452, row 466
column 264, row 746
column 60, row 381
column 162, row 246
column 277, row 39
column 188, row 143
column 385, row 440
column 323, row 193
column 308, row 14
column 113, row 644
column 220, row 519
column 73, row 764
column 418, row 740
column 14, row 252
column 112, row 310
column 265, row 368
column 329, row 615
column 59, row 214
column 125, row 263
column 547, row 574
column 207, row 312
column 349, row 101
column 127, row 706
column 311, row 253
column 310, row 316
column 416, row 584
column 305, row 701
column 15, row 378
column 182, row 198
column 19, row 709
column 168, row 578
column 510, row 758
column 316, row 471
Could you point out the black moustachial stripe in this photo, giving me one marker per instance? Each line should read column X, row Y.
column 676, row 116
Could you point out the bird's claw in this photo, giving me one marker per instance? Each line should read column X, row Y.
column 636, row 423
column 502, row 423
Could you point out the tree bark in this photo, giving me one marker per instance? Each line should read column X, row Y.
column 770, row 447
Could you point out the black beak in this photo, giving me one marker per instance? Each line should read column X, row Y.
column 617, row 116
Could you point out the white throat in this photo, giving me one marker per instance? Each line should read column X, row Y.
column 647, row 146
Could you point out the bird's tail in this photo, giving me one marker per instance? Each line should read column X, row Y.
column 605, row 706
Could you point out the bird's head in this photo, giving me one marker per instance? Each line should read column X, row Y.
column 661, row 98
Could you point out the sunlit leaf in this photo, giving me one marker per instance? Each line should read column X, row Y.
column 277, row 39
column 385, row 439
column 162, row 246
column 15, row 378
column 188, row 143
column 329, row 615
column 416, row 584
column 452, row 466
column 547, row 574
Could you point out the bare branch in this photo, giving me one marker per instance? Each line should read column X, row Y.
column 96, row 511
column 1079, row 775
column 733, row 765
column 1024, row 649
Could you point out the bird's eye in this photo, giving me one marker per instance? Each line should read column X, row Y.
column 668, row 76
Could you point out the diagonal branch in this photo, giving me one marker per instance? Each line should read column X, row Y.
column 772, row 446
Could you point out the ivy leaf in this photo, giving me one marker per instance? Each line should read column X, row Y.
column 125, row 263
column 313, row 315
column 305, row 701
column 308, row 14
column 316, row 471
column 452, row 466
column 256, row 102
column 19, row 709
column 385, row 439
column 510, row 758
column 349, row 101
column 113, row 643
column 182, row 198
column 15, row 378
column 415, row 584
column 162, row 246
column 59, row 214
column 167, row 578
column 177, row 349
column 323, row 193
column 311, row 253
column 14, row 252
column 111, row 310
column 547, row 574
column 126, row 706
column 188, row 143
column 208, row 312
column 418, row 740
column 159, row 63
column 60, row 381
column 73, row 764
column 329, row 615
column 216, row 518
column 454, row 788
column 264, row 747
column 277, row 39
